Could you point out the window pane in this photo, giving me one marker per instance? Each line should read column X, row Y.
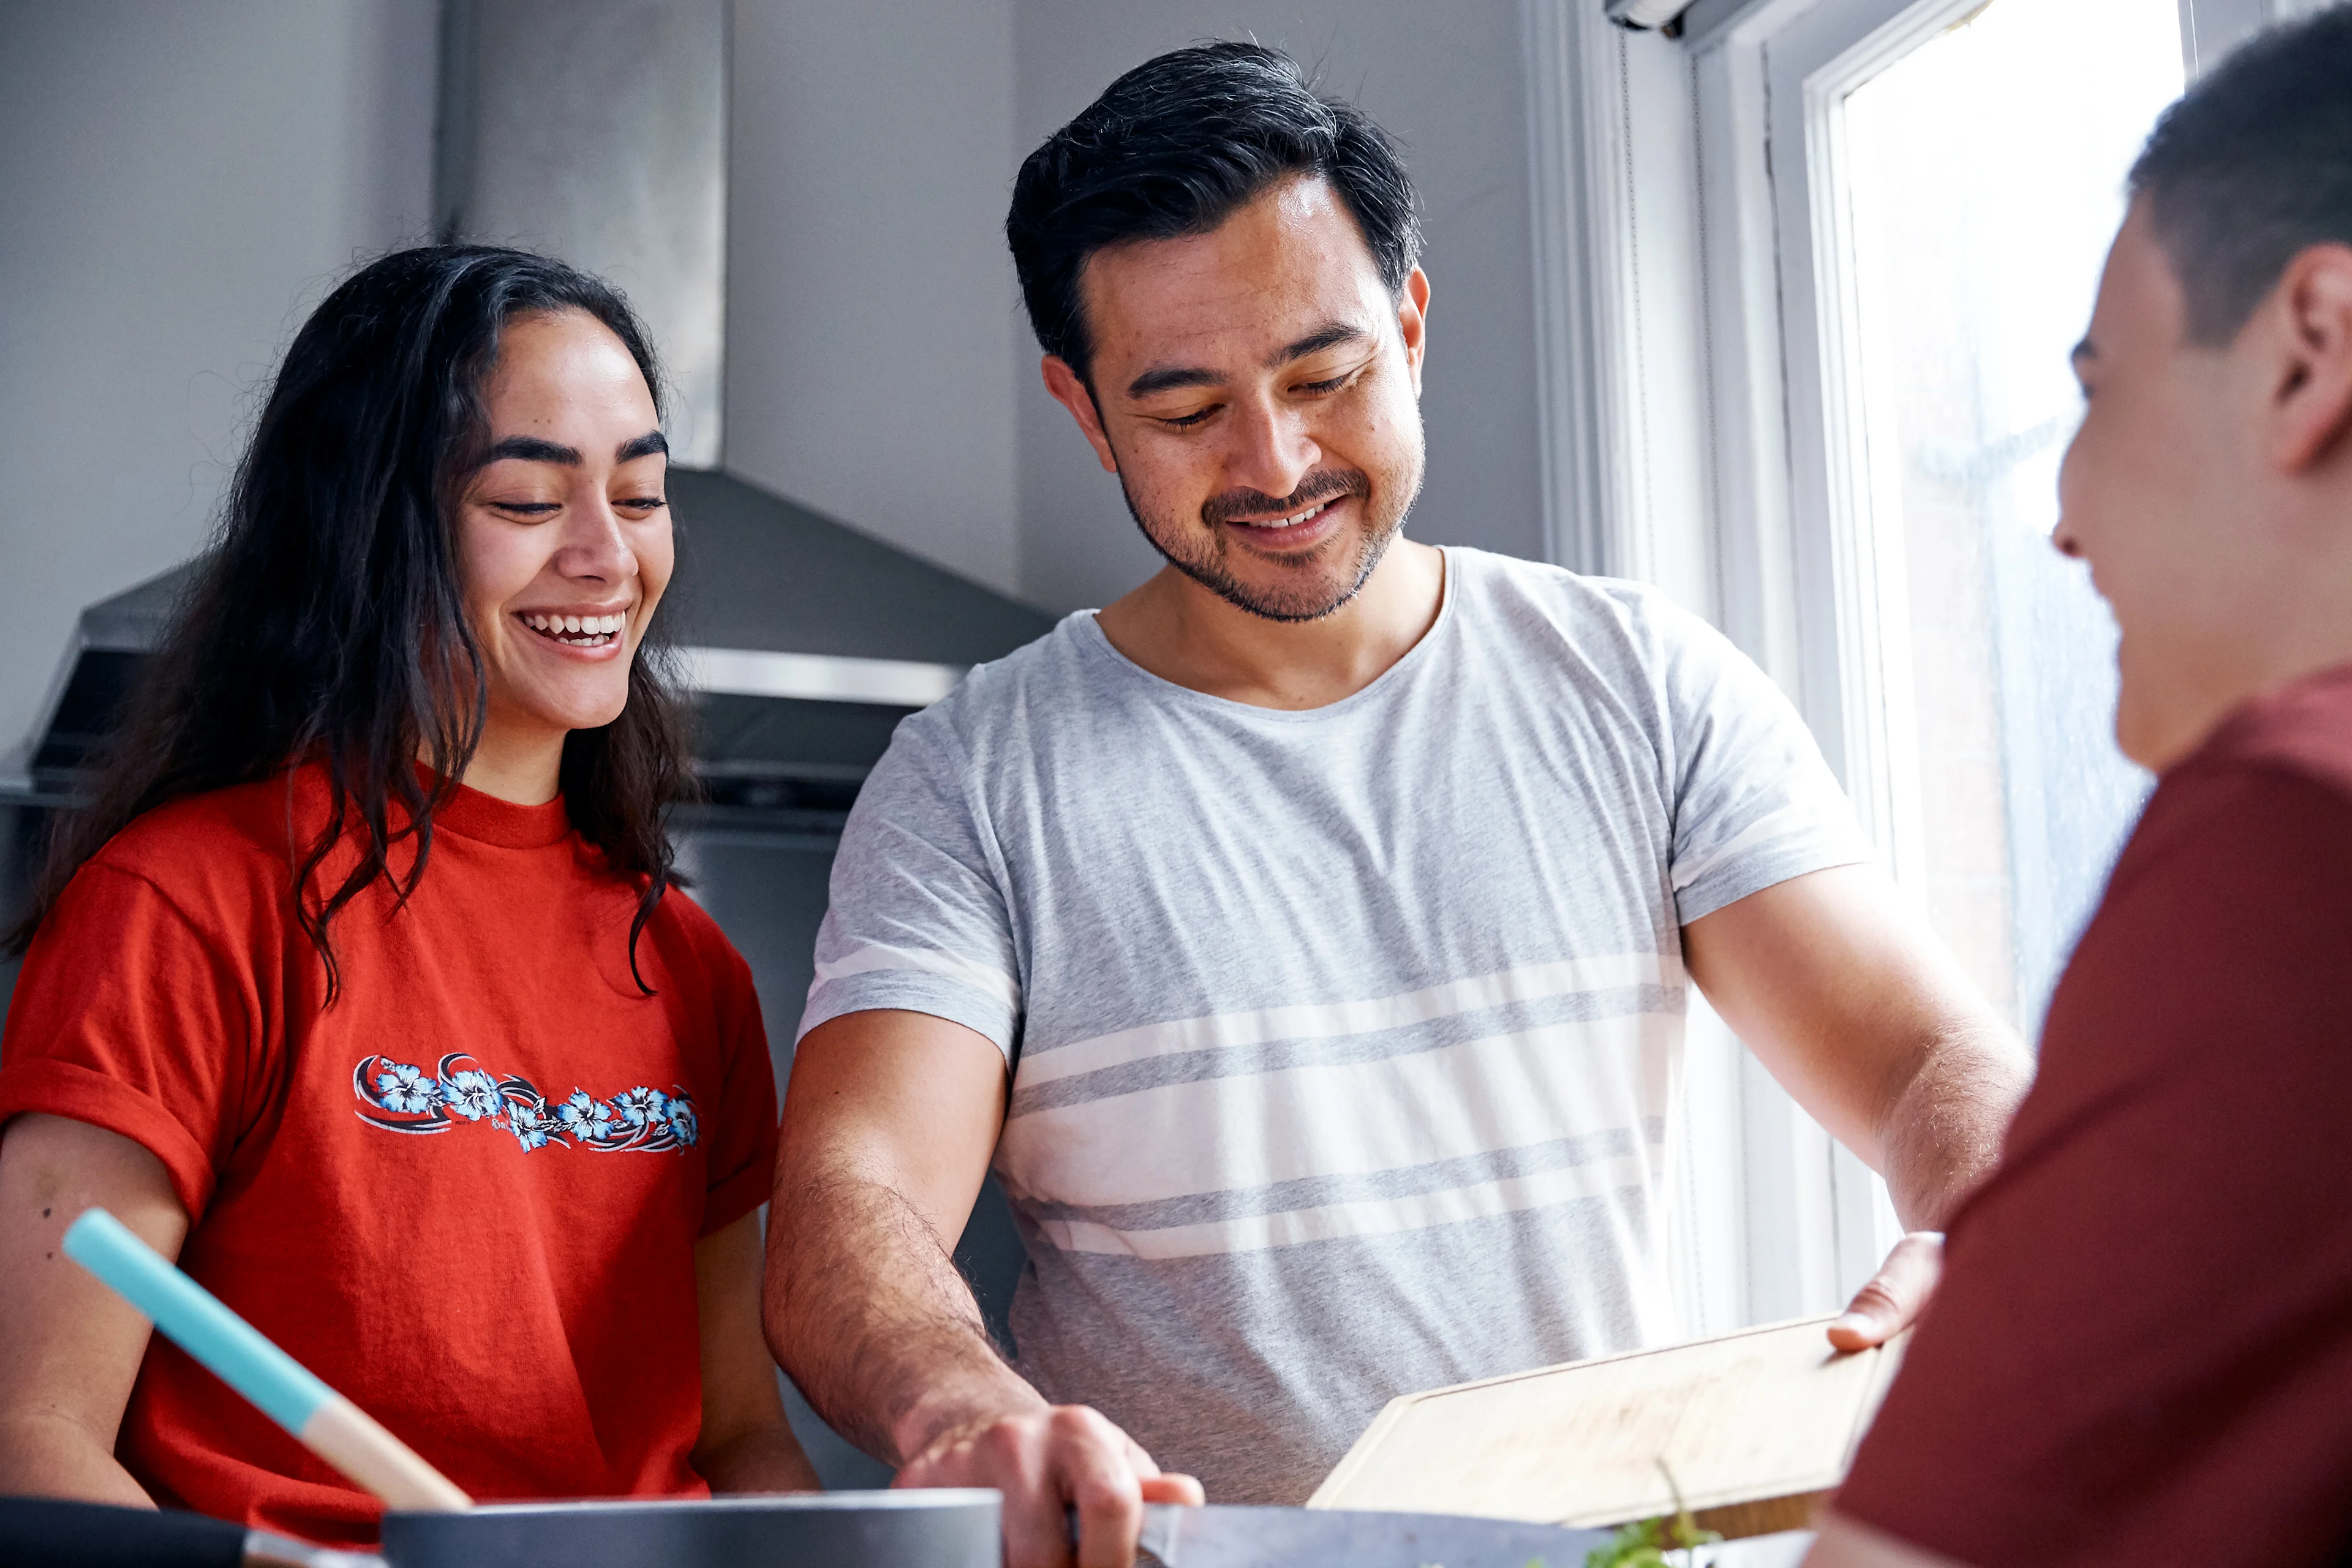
column 1987, row 169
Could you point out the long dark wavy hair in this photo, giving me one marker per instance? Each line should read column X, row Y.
column 328, row 626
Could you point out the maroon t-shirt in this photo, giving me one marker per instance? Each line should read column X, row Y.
column 2142, row 1350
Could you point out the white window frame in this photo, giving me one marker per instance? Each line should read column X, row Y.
column 1692, row 353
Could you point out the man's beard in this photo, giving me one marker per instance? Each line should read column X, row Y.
column 1310, row 600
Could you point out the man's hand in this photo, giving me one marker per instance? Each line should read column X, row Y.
column 1050, row 1462
column 1894, row 1296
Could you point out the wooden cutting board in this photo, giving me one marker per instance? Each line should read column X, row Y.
column 1755, row 1427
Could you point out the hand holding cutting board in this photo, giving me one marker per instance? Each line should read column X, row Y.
column 1893, row 1298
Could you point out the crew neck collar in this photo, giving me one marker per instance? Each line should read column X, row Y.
column 487, row 819
column 1091, row 635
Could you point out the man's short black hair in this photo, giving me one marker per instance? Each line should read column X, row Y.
column 1171, row 149
column 2253, row 166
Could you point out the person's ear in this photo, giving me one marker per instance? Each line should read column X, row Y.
column 1075, row 395
column 2311, row 401
column 1413, row 324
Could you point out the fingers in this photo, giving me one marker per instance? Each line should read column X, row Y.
column 1894, row 1295
column 1090, row 1455
column 1064, row 1472
column 1019, row 1460
column 1182, row 1490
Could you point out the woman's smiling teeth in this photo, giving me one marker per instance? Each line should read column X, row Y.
column 576, row 631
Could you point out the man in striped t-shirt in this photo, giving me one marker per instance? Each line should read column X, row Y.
column 1304, row 938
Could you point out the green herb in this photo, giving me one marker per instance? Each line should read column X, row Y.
column 1645, row 1542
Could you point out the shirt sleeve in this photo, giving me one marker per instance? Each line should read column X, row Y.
column 918, row 918
column 128, row 1017
column 2141, row 1350
column 742, row 1161
column 1754, row 803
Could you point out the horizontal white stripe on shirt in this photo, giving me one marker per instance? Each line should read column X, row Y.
column 869, row 957
column 1241, row 1131
column 1379, row 1216
column 1789, row 824
column 1043, row 1064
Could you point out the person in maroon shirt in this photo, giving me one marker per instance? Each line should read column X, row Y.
column 2142, row 1348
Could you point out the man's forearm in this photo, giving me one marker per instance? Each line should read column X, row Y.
column 868, row 1312
column 1942, row 1133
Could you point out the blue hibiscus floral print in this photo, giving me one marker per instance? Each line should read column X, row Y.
column 583, row 1117
column 406, row 1090
column 473, row 1095
column 642, row 1107
column 400, row 1097
column 531, row 1126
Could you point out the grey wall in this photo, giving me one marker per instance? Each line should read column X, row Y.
column 878, row 367
column 178, row 185
column 1447, row 79
column 870, row 325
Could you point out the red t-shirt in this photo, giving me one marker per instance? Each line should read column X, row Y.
column 2142, row 1349
column 466, row 1196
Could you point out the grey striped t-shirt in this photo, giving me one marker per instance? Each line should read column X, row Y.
column 1343, row 1041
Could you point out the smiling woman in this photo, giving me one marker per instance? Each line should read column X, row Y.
column 248, row 1015
column 563, row 543
column 454, row 428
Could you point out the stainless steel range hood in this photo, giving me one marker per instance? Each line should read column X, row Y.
column 806, row 642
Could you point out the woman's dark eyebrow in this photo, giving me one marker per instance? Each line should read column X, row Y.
column 532, row 450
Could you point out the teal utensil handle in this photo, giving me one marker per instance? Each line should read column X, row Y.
column 193, row 1319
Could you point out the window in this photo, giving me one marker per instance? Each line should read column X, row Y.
column 1981, row 181
column 1943, row 178
column 1919, row 196
column 1806, row 280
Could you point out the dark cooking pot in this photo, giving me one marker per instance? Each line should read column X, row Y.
column 943, row 1529
column 819, row 1530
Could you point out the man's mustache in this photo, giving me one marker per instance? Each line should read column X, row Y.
column 1321, row 484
